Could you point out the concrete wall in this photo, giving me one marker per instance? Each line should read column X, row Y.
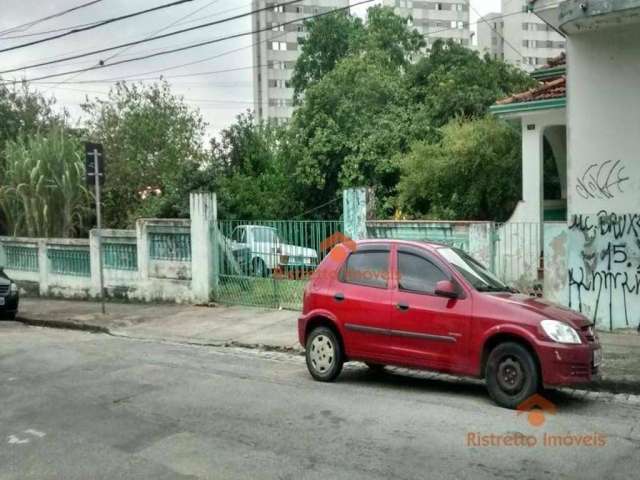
column 604, row 174
column 125, row 284
column 179, row 271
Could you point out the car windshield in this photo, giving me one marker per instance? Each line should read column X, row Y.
column 473, row 271
column 265, row 235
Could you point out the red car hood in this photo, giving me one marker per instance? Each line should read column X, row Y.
column 545, row 308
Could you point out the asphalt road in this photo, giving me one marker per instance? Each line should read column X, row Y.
column 84, row 406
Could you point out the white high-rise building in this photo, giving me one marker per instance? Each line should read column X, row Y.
column 489, row 35
column 276, row 50
column 535, row 41
column 446, row 19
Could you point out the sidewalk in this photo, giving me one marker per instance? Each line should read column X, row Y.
column 260, row 328
column 218, row 326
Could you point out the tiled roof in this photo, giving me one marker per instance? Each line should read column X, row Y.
column 555, row 88
column 552, row 83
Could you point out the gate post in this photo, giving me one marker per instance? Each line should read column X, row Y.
column 355, row 203
column 203, row 210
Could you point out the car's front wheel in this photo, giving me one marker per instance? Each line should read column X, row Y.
column 511, row 374
column 324, row 354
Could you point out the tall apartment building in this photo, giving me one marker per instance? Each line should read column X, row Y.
column 524, row 40
column 276, row 50
column 489, row 29
column 446, row 19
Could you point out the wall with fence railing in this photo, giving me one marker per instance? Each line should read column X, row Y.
column 150, row 263
column 263, row 263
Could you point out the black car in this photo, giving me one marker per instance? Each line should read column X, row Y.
column 8, row 296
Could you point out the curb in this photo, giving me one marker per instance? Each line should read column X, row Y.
column 63, row 325
column 602, row 385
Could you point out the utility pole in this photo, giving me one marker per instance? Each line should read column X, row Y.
column 95, row 168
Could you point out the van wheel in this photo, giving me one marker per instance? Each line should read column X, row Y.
column 324, row 354
column 511, row 375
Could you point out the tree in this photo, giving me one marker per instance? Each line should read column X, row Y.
column 356, row 117
column 468, row 175
column 334, row 37
column 251, row 177
column 23, row 112
column 153, row 148
column 331, row 38
column 42, row 192
column 455, row 82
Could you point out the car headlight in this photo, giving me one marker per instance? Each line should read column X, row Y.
column 13, row 288
column 560, row 332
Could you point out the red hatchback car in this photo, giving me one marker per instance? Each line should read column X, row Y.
column 429, row 306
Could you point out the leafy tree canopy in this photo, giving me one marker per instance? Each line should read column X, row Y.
column 250, row 171
column 386, row 36
column 154, row 152
column 455, row 82
column 472, row 173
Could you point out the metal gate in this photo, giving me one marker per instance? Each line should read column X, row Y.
column 266, row 263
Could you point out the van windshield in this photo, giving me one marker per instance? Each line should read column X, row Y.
column 473, row 271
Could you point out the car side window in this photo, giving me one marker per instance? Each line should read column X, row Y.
column 417, row 274
column 368, row 268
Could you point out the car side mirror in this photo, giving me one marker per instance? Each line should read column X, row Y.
column 446, row 288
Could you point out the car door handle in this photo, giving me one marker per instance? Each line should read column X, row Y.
column 402, row 306
column 338, row 297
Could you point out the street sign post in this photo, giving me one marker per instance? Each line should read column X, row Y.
column 94, row 162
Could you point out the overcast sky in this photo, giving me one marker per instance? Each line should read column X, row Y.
column 220, row 96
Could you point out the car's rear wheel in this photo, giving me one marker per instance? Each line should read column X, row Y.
column 511, row 374
column 324, row 354
column 8, row 316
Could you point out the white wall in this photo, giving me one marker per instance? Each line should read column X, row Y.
column 604, row 175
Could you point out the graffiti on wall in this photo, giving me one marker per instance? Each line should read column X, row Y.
column 602, row 180
column 604, row 267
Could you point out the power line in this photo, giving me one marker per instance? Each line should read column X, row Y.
column 45, row 32
column 134, row 77
column 97, row 25
column 144, row 40
column 116, row 54
column 175, row 50
column 142, row 76
column 28, row 25
column 155, row 78
column 156, row 32
column 63, row 29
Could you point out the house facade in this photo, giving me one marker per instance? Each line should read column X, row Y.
column 600, row 113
